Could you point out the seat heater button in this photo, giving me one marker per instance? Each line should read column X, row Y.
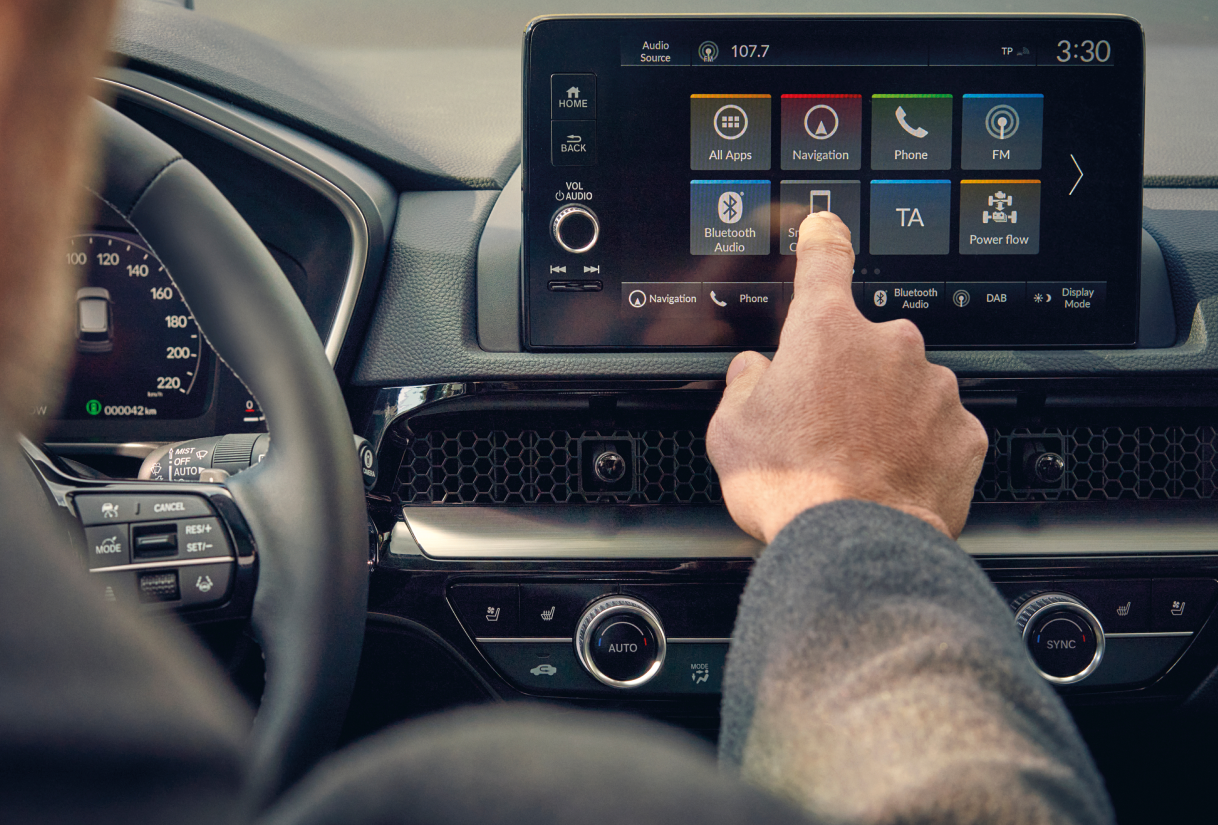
column 202, row 538
column 205, row 583
column 107, row 546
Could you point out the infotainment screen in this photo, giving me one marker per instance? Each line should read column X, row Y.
column 989, row 169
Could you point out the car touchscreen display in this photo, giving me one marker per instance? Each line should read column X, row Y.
column 989, row 170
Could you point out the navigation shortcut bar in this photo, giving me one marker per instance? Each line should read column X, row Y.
column 643, row 298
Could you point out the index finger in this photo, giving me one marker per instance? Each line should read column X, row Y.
column 824, row 258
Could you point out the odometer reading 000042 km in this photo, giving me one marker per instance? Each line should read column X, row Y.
column 139, row 353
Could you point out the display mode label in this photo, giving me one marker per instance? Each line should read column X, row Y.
column 999, row 217
column 729, row 132
column 822, row 131
column 729, row 217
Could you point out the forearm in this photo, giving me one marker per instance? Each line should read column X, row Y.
column 875, row 676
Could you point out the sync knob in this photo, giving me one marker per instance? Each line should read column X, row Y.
column 620, row 641
column 575, row 229
column 1063, row 637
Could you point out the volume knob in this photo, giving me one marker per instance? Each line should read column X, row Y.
column 1063, row 637
column 575, row 229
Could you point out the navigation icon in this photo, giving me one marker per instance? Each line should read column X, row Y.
column 638, row 299
column 820, row 114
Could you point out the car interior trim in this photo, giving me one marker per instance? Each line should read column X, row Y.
column 498, row 296
column 1163, row 635
column 564, row 532
column 341, row 200
column 156, row 565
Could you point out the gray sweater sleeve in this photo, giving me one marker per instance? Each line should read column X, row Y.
column 875, row 676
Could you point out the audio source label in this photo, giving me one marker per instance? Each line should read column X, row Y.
column 729, row 217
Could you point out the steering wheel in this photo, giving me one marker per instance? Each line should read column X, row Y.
column 304, row 503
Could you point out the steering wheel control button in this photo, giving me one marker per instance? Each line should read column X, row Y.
column 1122, row 606
column 575, row 229
column 1180, row 604
column 108, row 546
column 1002, row 131
column 573, row 96
column 552, row 610
column 118, row 508
column 204, row 584
column 573, row 143
column 911, row 131
column 729, row 132
column 1063, row 637
column 620, row 642
column 201, row 538
column 153, row 541
column 487, row 609
column 158, row 586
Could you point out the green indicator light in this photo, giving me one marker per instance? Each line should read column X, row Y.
column 93, row 407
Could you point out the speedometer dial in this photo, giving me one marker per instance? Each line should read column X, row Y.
column 139, row 353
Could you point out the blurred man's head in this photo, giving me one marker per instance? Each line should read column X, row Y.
column 49, row 50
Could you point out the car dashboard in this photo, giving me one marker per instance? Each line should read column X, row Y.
column 520, row 495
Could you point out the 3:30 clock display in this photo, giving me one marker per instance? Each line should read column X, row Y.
column 1086, row 51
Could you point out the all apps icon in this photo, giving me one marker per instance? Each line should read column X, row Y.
column 729, row 131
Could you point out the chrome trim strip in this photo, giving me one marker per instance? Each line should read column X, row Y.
column 160, row 565
column 327, row 189
column 577, row 532
column 1163, row 635
column 1081, row 531
column 132, row 449
column 401, row 542
column 684, row 640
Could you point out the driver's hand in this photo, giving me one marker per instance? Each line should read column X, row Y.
column 848, row 409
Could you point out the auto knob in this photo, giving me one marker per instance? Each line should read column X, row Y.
column 1063, row 637
column 620, row 641
column 575, row 229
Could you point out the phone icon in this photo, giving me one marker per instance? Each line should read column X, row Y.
column 821, row 200
column 716, row 301
column 918, row 133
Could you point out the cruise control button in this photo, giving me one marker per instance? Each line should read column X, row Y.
column 205, row 583
column 573, row 143
column 573, row 96
column 117, row 508
column 202, row 538
column 107, row 546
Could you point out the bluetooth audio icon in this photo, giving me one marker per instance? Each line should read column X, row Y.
column 731, row 207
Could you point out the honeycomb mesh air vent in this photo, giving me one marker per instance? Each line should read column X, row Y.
column 542, row 466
